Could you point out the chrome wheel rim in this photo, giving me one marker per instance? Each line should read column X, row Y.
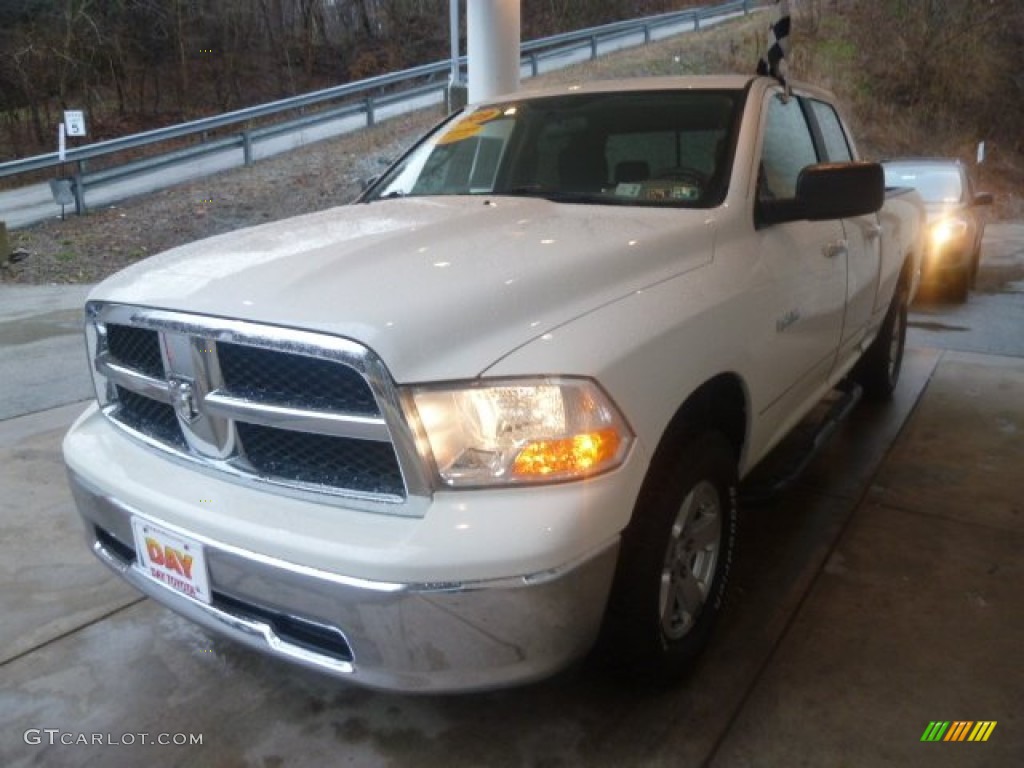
column 691, row 560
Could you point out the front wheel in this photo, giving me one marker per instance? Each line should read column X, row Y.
column 959, row 285
column 879, row 369
column 674, row 562
column 975, row 265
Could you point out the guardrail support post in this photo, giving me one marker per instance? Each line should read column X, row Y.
column 696, row 21
column 534, row 65
column 647, row 33
column 78, row 187
column 247, row 147
column 593, row 47
column 456, row 96
column 370, row 117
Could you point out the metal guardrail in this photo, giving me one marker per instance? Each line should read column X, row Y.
column 365, row 96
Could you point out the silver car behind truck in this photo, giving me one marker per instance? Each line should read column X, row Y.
column 956, row 221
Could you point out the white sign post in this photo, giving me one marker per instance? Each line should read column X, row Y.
column 63, row 189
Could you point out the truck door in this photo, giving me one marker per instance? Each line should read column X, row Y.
column 804, row 275
column 862, row 235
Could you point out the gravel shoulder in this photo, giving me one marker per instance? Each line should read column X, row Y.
column 87, row 249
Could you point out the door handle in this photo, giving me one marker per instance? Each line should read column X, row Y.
column 831, row 250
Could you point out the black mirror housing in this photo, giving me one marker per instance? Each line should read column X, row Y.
column 830, row 191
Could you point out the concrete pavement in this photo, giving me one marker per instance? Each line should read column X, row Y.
column 917, row 614
column 42, row 350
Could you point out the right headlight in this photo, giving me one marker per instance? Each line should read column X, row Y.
column 521, row 431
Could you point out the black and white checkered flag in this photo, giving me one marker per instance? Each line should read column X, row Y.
column 774, row 64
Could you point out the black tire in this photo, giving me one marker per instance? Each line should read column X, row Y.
column 878, row 371
column 959, row 284
column 674, row 562
column 975, row 265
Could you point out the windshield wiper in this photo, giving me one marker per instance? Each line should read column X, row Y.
column 554, row 195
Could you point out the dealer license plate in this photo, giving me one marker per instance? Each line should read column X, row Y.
column 175, row 561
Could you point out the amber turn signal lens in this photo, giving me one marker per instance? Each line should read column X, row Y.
column 576, row 455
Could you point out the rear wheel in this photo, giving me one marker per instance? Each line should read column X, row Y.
column 674, row 562
column 879, row 369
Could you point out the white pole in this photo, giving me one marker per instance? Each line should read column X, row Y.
column 454, row 31
column 493, row 47
column 61, row 144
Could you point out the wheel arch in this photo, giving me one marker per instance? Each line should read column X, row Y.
column 721, row 404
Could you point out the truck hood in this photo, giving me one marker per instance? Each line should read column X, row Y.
column 439, row 288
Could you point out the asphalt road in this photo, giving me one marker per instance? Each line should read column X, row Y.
column 992, row 320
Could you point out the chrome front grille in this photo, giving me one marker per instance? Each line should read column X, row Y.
column 150, row 417
column 136, row 348
column 338, row 462
column 299, row 413
column 267, row 375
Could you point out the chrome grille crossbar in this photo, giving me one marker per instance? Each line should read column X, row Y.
column 297, row 419
column 140, row 383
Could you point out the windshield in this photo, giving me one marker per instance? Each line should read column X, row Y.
column 637, row 148
column 935, row 184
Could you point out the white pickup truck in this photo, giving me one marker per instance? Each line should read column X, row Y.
column 494, row 414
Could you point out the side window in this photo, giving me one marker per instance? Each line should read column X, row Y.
column 788, row 149
column 836, row 146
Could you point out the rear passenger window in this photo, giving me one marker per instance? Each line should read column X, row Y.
column 788, row 149
column 836, row 146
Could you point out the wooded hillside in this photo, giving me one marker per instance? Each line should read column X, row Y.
column 918, row 76
column 134, row 64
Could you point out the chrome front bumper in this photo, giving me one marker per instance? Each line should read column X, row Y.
column 403, row 637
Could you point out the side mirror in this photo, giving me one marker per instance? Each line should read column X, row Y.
column 829, row 191
column 983, row 198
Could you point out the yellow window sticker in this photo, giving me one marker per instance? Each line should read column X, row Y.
column 469, row 126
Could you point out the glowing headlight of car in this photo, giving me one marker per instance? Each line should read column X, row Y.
column 521, row 431
column 947, row 230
